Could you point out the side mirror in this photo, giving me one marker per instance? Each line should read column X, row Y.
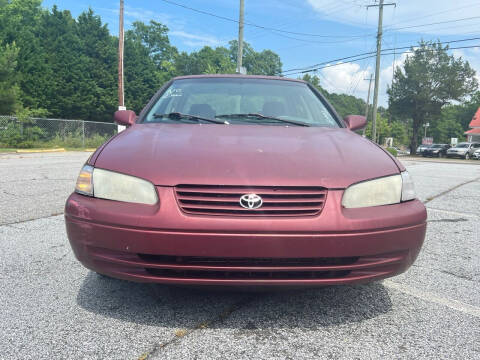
column 355, row 122
column 125, row 117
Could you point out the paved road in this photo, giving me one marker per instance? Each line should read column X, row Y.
column 51, row 307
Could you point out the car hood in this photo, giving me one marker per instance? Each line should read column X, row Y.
column 172, row 154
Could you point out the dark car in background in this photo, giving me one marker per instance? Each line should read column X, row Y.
column 463, row 150
column 421, row 149
column 436, row 150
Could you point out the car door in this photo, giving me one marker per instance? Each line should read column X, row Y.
column 473, row 148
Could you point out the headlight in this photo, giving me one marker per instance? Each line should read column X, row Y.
column 383, row 191
column 111, row 185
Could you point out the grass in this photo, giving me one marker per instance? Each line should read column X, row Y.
column 11, row 150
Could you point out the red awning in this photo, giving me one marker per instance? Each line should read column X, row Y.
column 472, row 131
column 475, row 123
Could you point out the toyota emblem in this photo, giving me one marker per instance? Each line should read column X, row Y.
column 251, row 201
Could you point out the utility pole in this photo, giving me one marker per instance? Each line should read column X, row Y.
column 368, row 101
column 240, row 38
column 377, row 66
column 121, row 96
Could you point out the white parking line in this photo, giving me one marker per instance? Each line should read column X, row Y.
column 428, row 296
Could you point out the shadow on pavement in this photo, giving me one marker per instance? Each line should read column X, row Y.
column 175, row 307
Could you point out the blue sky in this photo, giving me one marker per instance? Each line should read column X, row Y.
column 347, row 28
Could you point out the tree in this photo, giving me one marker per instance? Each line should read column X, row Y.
column 154, row 37
column 429, row 80
column 98, row 51
column 399, row 132
column 344, row 104
column 205, row 61
column 9, row 89
column 265, row 62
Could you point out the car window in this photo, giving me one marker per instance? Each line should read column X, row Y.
column 211, row 97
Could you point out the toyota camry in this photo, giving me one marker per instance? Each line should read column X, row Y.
column 243, row 180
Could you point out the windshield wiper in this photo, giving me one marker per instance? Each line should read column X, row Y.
column 260, row 116
column 179, row 116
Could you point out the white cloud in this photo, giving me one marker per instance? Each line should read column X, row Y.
column 343, row 78
column 176, row 25
column 196, row 39
column 349, row 78
column 406, row 13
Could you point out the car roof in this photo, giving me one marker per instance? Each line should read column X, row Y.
column 264, row 77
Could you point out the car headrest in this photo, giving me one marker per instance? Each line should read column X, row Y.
column 273, row 108
column 202, row 110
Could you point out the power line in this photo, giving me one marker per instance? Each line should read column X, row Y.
column 435, row 23
column 373, row 52
column 433, row 14
column 371, row 56
column 256, row 25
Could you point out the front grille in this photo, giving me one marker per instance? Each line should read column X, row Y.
column 225, row 200
column 247, row 262
column 190, row 269
column 247, row 275
column 183, row 267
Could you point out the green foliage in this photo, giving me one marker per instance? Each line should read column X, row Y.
column 399, row 132
column 22, row 133
column 50, row 60
column 265, row 62
column 392, row 151
column 343, row 104
column 205, row 61
column 9, row 89
column 429, row 80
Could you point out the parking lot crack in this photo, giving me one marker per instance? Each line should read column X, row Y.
column 184, row 333
column 463, row 277
column 25, row 221
column 450, row 190
column 448, row 220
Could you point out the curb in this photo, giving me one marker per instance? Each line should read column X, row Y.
column 40, row 150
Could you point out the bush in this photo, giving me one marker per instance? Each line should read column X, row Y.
column 20, row 134
column 392, row 151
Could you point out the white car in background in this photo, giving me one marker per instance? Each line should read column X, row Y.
column 476, row 155
column 463, row 150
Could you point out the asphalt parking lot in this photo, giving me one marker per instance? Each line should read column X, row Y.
column 51, row 307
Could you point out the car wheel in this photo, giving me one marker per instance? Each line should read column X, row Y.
column 467, row 156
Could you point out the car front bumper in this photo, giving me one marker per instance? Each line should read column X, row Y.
column 163, row 245
column 459, row 155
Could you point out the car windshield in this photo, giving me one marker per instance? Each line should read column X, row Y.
column 241, row 101
column 435, row 146
column 462, row 145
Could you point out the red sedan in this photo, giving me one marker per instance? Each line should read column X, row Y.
column 219, row 182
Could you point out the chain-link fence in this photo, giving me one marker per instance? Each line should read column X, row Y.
column 49, row 133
